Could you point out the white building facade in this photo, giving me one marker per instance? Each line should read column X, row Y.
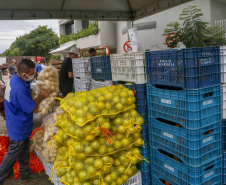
column 212, row 10
column 150, row 29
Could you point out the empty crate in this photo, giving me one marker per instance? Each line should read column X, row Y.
column 188, row 68
column 81, row 67
column 165, row 168
column 192, row 109
column 193, row 147
column 101, row 68
column 129, row 67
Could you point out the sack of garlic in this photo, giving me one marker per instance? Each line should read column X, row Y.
column 48, row 80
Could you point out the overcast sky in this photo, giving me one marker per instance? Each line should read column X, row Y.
column 9, row 30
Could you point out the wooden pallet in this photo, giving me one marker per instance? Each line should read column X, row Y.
column 57, row 64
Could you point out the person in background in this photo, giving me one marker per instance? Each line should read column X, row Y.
column 12, row 68
column 66, row 72
column 33, row 60
column 92, row 52
column 19, row 108
column 1, row 76
column 39, row 67
column 2, row 93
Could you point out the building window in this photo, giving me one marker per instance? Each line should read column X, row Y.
column 85, row 24
column 69, row 28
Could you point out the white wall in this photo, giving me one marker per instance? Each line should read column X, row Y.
column 77, row 25
column 154, row 36
column 121, row 38
column 218, row 11
column 2, row 60
column 108, row 34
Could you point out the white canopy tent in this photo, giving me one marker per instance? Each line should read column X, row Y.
column 109, row 10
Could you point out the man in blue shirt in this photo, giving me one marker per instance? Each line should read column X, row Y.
column 19, row 108
column 39, row 67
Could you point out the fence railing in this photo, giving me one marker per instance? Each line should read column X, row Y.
column 221, row 23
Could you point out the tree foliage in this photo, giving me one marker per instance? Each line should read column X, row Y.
column 174, row 27
column 55, row 57
column 91, row 30
column 194, row 32
column 37, row 43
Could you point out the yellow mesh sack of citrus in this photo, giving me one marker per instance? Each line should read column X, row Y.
column 86, row 106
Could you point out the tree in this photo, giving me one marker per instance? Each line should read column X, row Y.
column 37, row 43
column 174, row 27
column 215, row 36
column 192, row 32
column 195, row 32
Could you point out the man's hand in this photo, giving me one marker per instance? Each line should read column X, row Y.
column 44, row 94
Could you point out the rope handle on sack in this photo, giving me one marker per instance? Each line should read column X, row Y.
column 106, row 132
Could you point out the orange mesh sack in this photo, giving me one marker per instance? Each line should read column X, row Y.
column 35, row 165
column 47, row 79
column 86, row 106
column 4, row 143
column 34, row 132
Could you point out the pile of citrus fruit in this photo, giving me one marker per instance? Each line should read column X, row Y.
column 86, row 106
column 103, row 147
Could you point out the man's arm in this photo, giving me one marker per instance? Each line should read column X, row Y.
column 42, row 95
column 70, row 74
column 8, row 72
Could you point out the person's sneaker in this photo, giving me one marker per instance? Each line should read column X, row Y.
column 29, row 177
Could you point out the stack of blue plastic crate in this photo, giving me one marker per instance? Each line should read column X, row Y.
column 184, row 116
column 223, row 82
column 224, row 149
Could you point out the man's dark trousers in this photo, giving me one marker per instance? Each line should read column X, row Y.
column 17, row 150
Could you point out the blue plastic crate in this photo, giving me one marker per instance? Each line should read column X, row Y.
column 192, row 109
column 145, row 166
column 188, row 68
column 101, row 68
column 142, row 109
column 141, row 94
column 141, row 101
column 145, row 126
column 125, row 84
column 224, row 135
column 224, row 168
column 193, row 147
column 145, row 151
column 176, row 173
column 146, row 178
column 144, row 135
column 139, row 88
